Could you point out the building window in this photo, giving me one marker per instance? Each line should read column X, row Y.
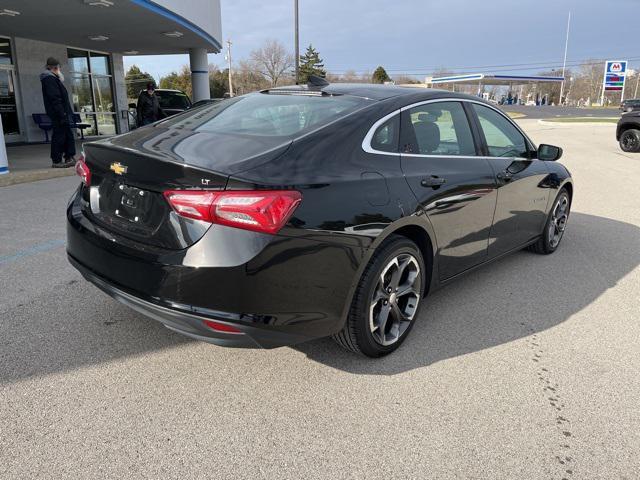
column 91, row 85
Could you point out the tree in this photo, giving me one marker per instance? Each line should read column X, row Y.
column 311, row 64
column 272, row 61
column 380, row 76
column 218, row 81
column 136, row 80
column 178, row 81
column 247, row 79
column 406, row 80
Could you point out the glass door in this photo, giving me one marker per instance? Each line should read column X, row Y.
column 9, row 105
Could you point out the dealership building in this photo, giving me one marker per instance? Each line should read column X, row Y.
column 90, row 38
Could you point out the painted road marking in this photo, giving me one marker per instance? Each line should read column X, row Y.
column 27, row 252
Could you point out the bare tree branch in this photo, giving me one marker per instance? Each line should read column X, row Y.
column 272, row 61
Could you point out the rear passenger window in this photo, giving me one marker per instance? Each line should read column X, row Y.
column 439, row 128
column 503, row 139
column 385, row 139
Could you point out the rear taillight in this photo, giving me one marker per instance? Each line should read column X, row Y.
column 264, row 211
column 82, row 170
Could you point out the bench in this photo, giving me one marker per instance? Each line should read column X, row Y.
column 43, row 121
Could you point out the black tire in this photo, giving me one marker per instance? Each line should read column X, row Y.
column 550, row 240
column 630, row 140
column 359, row 334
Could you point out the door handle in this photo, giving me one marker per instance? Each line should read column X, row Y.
column 433, row 181
column 504, row 176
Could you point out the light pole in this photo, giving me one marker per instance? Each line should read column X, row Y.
column 564, row 63
column 635, row 95
column 297, row 40
column 229, row 60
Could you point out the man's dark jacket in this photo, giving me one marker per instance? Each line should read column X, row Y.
column 149, row 109
column 56, row 99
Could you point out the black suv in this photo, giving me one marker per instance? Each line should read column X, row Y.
column 628, row 132
column 630, row 105
column 173, row 101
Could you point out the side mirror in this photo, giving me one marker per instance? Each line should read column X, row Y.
column 549, row 153
column 133, row 105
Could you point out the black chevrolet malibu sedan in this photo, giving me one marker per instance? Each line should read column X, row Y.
column 303, row 212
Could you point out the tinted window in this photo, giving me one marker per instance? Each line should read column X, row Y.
column 385, row 139
column 503, row 139
column 439, row 128
column 270, row 115
column 176, row 100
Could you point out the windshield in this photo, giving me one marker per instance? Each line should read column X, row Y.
column 173, row 100
column 270, row 115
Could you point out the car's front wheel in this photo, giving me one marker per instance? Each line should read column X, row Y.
column 555, row 226
column 386, row 300
column 630, row 140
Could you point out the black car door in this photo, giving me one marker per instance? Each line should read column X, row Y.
column 521, row 204
column 454, row 186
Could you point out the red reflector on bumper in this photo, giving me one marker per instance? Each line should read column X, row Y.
column 222, row 327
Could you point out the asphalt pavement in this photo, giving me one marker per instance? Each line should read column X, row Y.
column 525, row 369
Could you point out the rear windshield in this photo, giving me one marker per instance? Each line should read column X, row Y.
column 269, row 115
column 173, row 100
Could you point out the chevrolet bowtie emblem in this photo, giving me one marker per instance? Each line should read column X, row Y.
column 118, row 168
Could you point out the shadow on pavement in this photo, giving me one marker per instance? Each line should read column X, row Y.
column 513, row 298
column 80, row 327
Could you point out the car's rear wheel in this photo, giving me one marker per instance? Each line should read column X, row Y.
column 630, row 140
column 386, row 300
column 555, row 226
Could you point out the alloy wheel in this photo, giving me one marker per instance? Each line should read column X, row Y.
column 558, row 223
column 395, row 299
column 629, row 142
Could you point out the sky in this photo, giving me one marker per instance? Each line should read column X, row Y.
column 417, row 37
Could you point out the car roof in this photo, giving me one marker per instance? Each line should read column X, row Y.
column 371, row 91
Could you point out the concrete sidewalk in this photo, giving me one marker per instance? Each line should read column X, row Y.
column 31, row 162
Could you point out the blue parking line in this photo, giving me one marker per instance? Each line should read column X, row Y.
column 27, row 252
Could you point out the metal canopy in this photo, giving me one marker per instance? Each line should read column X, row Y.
column 133, row 25
column 489, row 79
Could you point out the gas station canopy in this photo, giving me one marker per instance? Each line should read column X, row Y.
column 489, row 79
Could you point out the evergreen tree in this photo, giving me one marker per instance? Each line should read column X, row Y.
column 380, row 76
column 136, row 80
column 311, row 64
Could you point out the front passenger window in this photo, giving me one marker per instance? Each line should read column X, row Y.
column 503, row 139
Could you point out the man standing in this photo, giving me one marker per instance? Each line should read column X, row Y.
column 148, row 108
column 58, row 108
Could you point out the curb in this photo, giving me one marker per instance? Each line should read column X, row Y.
column 14, row 178
column 556, row 123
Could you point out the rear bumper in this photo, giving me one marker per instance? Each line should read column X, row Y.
column 192, row 324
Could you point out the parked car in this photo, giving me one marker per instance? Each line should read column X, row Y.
column 173, row 101
column 630, row 105
column 628, row 131
column 309, row 211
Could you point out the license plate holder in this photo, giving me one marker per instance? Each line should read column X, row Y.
column 134, row 203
